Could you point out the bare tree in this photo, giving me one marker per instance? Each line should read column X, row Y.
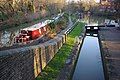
column 117, row 7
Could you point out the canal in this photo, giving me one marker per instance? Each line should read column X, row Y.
column 7, row 35
column 89, row 65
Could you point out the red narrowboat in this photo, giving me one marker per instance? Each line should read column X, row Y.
column 35, row 31
column 32, row 32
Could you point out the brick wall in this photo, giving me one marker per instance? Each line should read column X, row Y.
column 26, row 63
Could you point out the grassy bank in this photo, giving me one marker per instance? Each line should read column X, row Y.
column 53, row 68
column 73, row 18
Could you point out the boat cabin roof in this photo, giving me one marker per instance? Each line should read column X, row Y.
column 38, row 25
column 59, row 15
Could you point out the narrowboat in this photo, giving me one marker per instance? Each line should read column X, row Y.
column 35, row 31
column 32, row 32
column 111, row 23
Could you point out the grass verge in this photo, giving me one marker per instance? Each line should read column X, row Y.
column 53, row 68
column 73, row 18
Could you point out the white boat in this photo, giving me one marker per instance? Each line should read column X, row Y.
column 111, row 22
column 114, row 22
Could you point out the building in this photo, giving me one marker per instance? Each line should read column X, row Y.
column 106, row 5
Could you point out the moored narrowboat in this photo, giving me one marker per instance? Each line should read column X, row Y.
column 35, row 31
column 32, row 32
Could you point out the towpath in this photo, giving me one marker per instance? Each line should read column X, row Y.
column 69, row 25
column 110, row 38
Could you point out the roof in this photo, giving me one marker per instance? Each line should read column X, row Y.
column 38, row 25
column 105, row 3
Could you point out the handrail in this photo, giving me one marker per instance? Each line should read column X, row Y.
column 71, row 28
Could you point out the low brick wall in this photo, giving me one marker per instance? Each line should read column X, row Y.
column 17, row 64
column 27, row 62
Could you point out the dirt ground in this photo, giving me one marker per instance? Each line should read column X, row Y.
column 110, row 39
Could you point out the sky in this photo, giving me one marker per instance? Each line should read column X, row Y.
column 79, row 0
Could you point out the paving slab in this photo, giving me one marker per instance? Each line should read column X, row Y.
column 110, row 39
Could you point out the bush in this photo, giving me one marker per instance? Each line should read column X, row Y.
column 52, row 25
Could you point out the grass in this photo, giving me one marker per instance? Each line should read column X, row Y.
column 73, row 18
column 53, row 68
column 66, row 15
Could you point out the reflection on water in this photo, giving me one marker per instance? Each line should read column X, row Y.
column 89, row 34
column 89, row 64
column 6, row 37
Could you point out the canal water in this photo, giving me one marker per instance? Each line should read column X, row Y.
column 89, row 65
column 7, row 35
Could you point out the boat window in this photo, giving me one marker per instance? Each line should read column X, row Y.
column 44, row 28
column 40, row 31
column 24, row 31
column 112, row 21
column 116, row 21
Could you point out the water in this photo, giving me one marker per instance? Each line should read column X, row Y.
column 89, row 64
column 6, row 36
